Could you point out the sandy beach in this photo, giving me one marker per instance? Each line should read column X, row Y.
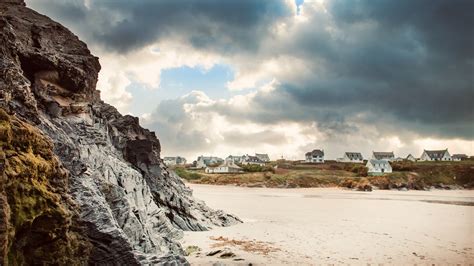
column 336, row 226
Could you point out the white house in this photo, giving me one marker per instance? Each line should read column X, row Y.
column 351, row 157
column 315, row 156
column 376, row 167
column 204, row 161
column 227, row 167
column 435, row 155
column 169, row 161
column 411, row 158
column 263, row 157
column 459, row 157
column 248, row 159
column 234, row 158
column 389, row 156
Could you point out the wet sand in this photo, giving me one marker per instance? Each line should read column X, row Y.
column 336, row 226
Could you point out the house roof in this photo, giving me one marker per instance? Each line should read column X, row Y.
column 436, row 153
column 354, row 155
column 230, row 164
column 169, row 158
column 383, row 163
column 262, row 156
column 315, row 153
column 383, row 155
column 460, row 156
column 254, row 159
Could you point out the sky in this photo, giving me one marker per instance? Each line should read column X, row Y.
column 283, row 77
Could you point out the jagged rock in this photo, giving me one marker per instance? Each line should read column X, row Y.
column 131, row 208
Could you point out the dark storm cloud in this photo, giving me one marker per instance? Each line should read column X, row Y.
column 401, row 65
column 124, row 25
column 410, row 62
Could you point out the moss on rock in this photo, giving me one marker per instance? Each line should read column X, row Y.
column 37, row 217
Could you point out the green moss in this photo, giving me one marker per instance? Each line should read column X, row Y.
column 39, row 220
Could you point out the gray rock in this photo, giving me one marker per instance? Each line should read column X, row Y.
column 133, row 209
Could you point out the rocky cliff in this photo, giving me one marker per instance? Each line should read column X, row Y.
column 79, row 182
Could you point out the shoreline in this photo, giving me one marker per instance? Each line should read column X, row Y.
column 374, row 188
column 336, row 225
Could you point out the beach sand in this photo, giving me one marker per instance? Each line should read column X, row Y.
column 336, row 226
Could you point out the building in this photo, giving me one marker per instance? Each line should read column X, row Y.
column 228, row 167
column 315, row 156
column 411, row 158
column 248, row 159
column 435, row 155
column 389, row 156
column 205, row 161
column 351, row 157
column 263, row 157
column 377, row 167
column 234, row 158
column 459, row 157
column 170, row 161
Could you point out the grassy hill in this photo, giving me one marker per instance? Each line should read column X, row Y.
column 287, row 174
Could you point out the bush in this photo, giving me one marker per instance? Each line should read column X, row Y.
column 183, row 173
column 257, row 168
column 360, row 170
column 403, row 166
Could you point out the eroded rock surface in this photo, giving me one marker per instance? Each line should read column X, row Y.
column 130, row 208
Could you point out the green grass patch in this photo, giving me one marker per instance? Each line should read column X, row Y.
column 188, row 175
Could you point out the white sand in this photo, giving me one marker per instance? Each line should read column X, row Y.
column 321, row 226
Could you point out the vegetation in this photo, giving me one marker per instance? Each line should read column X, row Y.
column 188, row 175
column 35, row 216
column 252, row 168
column 191, row 249
column 288, row 174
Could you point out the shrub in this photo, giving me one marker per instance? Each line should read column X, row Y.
column 403, row 166
column 359, row 169
column 183, row 173
column 257, row 168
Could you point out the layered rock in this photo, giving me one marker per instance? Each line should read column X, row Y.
column 130, row 208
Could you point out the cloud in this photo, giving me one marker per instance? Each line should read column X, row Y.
column 383, row 74
column 194, row 124
column 127, row 25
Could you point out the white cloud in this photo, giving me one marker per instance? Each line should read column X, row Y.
column 144, row 66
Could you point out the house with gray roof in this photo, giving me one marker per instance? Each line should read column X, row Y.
column 263, row 157
column 315, row 156
column 459, row 157
column 435, row 155
column 382, row 155
column 411, row 158
column 205, row 161
column 227, row 167
column 378, row 167
column 234, row 158
column 351, row 157
column 248, row 159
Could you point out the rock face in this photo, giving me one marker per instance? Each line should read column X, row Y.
column 120, row 203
